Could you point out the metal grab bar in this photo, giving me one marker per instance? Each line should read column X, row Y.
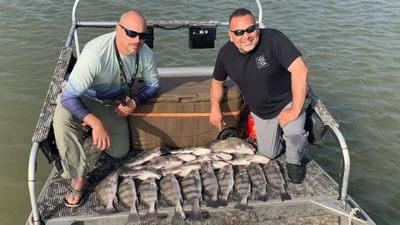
column 31, row 183
column 259, row 6
column 44, row 123
column 329, row 121
column 346, row 163
column 76, row 24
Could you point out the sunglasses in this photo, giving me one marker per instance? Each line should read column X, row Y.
column 134, row 34
column 240, row 32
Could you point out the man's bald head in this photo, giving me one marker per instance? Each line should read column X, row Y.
column 130, row 21
column 132, row 16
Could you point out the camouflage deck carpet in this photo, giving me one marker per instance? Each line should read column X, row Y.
column 316, row 184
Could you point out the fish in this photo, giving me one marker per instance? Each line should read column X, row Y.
column 141, row 172
column 144, row 156
column 148, row 196
column 196, row 151
column 233, row 145
column 242, row 187
column 217, row 164
column 273, row 172
column 210, row 183
column 182, row 170
column 165, row 161
column 186, row 157
column 245, row 160
column 191, row 189
column 107, row 190
column 127, row 195
column 225, row 179
column 258, row 182
column 171, row 192
column 214, row 156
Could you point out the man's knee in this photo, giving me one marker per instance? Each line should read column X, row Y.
column 297, row 139
column 295, row 130
column 119, row 147
column 118, row 154
column 63, row 119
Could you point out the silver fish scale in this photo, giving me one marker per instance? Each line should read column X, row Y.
column 191, row 186
column 274, row 175
column 187, row 157
column 237, row 145
column 196, row 151
column 141, row 172
column 143, row 157
column 148, row 192
column 225, row 179
column 209, row 180
column 108, row 188
column 165, row 161
column 242, row 182
column 127, row 194
column 170, row 190
column 317, row 183
column 258, row 180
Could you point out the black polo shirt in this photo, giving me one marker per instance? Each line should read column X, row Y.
column 261, row 74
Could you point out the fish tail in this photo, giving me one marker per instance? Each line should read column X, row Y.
column 108, row 210
column 195, row 214
column 150, row 216
column 222, row 202
column 240, row 206
column 179, row 214
column 213, row 203
column 133, row 218
column 262, row 197
column 285, row 196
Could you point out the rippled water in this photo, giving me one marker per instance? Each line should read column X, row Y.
column 351, row 48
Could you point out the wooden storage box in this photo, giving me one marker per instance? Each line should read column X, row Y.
column 179, row 115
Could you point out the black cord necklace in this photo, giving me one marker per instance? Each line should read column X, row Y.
column 124, row 83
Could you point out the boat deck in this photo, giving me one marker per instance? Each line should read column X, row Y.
column 304, row 208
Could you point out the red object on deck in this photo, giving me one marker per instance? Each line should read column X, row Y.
column 251, row 130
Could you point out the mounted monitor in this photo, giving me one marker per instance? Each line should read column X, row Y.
column 150, row 37
column 202, row 36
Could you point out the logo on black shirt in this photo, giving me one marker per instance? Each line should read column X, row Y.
column 261, row 62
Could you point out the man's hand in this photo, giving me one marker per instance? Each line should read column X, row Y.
column 101, row 139
column 216, row 94
column 125, row 111
column 216, row 118
column 287, row 115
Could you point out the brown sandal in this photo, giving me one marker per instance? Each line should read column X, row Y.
column 79, row 194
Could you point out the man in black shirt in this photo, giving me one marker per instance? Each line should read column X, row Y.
column 272, row 77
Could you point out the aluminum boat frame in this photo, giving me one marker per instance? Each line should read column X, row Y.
column 344, row 209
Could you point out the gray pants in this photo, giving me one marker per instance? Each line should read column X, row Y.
column 272, row 139
column 68, row 134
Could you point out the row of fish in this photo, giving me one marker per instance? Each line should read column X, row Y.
column 192, row 174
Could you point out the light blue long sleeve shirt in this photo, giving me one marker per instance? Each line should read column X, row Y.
column 97, row 74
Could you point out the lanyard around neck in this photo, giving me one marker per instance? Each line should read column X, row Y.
column 122, row 75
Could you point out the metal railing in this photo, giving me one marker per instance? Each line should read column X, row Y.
column 330, row 122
